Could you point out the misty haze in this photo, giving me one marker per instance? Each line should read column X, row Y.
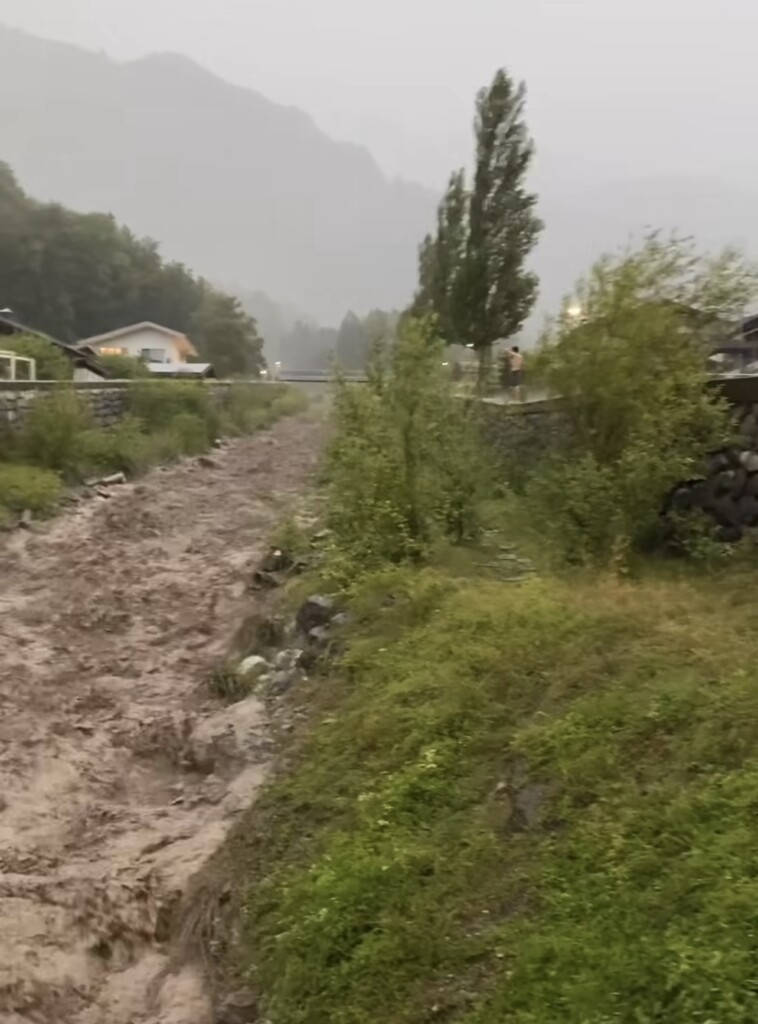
column 186, row 127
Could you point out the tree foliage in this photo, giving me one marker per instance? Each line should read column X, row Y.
column 307, row 346
column 357, row 337
column 352, row 348
column 380, row 326
column 632, row 380
column 224, row 334
column 472, row 271
column 76, row 275
column 442, row 258
column 124, row 367
column 405, row 465
column 52, row 363
column 310, row 347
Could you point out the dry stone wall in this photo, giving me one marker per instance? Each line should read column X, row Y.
column 108, row 400
column 523, row 434
column 108, row 403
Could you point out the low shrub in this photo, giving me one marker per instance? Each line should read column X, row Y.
column 164, row 446
column 289, row 403
column 158, row 402
column 291, row 538
column 245, row 412
column 124, row 367
column 51, row 435
column 192, row 433
column 122, row 448
column 27, row 487
column 248, row 409
column 229, row 686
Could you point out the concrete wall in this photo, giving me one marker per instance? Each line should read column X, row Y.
column 108, row 400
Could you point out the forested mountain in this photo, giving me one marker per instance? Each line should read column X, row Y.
column 75, row 275
column 236, row 186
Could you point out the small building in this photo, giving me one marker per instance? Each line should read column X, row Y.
column 84, row 361
column 184, row 370
column 146, row 341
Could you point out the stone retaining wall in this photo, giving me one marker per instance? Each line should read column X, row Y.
column 523, row 434
column 108, row 400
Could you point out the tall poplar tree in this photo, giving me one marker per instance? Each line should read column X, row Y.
column 473, row 272
column 441, row 259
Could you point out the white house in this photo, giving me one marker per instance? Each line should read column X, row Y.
column 146, row 341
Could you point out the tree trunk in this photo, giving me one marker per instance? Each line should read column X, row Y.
column 414, row 522
column 485, row 369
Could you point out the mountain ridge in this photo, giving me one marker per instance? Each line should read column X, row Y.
column 227, row 180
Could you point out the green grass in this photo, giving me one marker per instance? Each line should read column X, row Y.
column 27, row 487
column 526, row 803
column 271, row 402
column 228, row 685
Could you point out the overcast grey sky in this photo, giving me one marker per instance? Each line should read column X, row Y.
column 616, row 88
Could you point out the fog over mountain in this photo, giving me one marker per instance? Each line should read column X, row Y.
column 237, row 186
column 640, row 113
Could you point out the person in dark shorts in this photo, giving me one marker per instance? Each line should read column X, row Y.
column 516, row 380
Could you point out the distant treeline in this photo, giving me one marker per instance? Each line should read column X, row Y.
column 75, row 275
column 308, row 347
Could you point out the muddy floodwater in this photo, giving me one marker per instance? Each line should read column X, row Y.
column 120, row 774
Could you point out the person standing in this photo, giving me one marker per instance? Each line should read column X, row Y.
column 516, row 364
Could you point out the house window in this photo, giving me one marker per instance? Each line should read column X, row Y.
column 105, row 350
column 153, row 355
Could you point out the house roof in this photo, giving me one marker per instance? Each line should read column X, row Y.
column 80, row 355
column 185, row 345
column 182, row 369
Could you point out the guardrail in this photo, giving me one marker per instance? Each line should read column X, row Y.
column 317, row 376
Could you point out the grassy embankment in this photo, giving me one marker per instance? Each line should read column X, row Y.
column 530, row 802
column 60, row 444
